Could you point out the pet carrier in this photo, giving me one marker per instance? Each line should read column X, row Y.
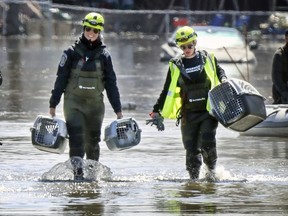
column 236, row 104
column 122, row 134
column 49, row 134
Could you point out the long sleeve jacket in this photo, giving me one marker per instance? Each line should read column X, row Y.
column 280, row 69
column 69, row 60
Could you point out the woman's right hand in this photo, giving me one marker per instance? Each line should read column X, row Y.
column 52, row 111
column 154, row 115
column 119, row 115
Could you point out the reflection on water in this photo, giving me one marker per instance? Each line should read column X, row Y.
column 14, row 76
column 148, row 179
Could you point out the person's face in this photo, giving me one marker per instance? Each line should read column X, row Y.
column 91, row 33
column 188, row 49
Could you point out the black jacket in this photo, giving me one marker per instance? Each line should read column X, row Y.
column 70, row 59
column 280, row 74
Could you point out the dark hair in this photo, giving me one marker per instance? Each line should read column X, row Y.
column 286, row 32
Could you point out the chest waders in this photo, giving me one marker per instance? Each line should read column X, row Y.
column 199, row 137
column 194, row 95
column 84, row 110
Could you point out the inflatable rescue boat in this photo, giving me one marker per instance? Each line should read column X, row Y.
column 275, row 124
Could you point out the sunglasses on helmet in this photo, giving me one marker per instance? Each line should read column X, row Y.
column 184, row 39
column 93, row 22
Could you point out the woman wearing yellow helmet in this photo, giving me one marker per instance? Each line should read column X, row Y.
column 94, row 21
column 93, row 24
column 185, row 96
column 84, row 72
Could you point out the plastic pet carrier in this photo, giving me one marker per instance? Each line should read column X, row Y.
column 122, row 134
column 49, row 134
column 236, row 104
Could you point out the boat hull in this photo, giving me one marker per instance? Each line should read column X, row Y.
column 275, row 125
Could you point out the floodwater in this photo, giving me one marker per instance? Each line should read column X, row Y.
column 148, row 179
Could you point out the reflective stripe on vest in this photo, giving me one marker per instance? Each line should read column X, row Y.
column 173, row 100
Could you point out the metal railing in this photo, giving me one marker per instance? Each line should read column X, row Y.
column 144, row 21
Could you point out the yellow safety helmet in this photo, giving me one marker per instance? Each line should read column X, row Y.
column 185, row 35
column 94, row 20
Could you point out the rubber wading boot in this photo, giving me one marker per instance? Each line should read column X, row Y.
column 78, row 174
column 193, row 164
column 210, row 159
column 194, row 173
column 210, row 176
column 77, row 164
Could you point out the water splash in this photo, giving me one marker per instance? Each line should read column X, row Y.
column 221, row 175
column 93, row 171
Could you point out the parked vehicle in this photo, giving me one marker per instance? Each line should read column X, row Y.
column 228, row 45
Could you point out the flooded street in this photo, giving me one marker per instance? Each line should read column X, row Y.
column 148, row 179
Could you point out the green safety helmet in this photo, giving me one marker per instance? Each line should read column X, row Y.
column 185, row 35
column 94, row 20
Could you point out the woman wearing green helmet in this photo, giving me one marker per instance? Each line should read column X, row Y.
column 94, row 21
column 185, row 96
column 84, row 72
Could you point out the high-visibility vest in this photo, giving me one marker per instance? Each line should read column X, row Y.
column 173, row 101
